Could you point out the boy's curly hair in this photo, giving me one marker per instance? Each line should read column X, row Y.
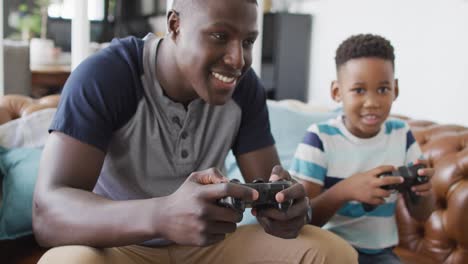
column 364, row 45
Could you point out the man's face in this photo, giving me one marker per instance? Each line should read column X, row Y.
column 367, row 88
column 214, row 47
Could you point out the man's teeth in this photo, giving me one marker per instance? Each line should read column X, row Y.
column 223, row 78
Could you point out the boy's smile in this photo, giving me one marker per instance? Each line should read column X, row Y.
column 367, row 88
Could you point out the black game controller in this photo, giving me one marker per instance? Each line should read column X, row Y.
column 410, row 174
column 266, row 199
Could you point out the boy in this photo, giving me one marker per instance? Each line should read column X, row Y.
column 132, row 170
column 339, row 160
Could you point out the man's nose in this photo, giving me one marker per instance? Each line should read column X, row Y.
column 234, row 56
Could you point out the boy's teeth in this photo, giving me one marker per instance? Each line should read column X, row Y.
column 223, row 78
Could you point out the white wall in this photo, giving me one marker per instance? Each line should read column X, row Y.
column 431, row 45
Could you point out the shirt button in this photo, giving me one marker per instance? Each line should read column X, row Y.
column 184, row 154
column 184, row 135
column 176, row 120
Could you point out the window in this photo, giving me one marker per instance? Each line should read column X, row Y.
column 64, row 9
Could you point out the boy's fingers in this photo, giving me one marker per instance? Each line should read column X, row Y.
column 382, row 169
column 422, row 188
column 390, row 180
column 377, row 200
column 426, row 193
column 382, row 193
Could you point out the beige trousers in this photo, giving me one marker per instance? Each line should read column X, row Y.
column 249, row 244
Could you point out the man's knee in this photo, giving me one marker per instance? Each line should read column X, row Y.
column 75, row 254
column 326, row 246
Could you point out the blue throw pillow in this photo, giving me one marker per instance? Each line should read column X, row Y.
column 288, row 127
column 19, row 168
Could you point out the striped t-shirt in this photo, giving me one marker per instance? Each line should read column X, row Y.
column 329, row 153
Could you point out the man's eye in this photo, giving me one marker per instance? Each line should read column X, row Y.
column 218, row 36
column 249, row 43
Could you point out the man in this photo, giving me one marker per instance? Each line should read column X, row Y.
column 133, row 163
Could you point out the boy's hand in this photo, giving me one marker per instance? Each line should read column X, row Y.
column 425, row 188
column 285, row 224
column 365, row 187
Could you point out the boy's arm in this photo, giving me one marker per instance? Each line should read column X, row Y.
column 426, row 201
column 425, row 204
column 324, row 204
column 364, row 187
column 422, row 209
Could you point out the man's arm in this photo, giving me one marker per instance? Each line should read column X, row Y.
column 63, row 200
column 258, row 164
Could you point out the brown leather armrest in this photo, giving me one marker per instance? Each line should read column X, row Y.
column 15, row 106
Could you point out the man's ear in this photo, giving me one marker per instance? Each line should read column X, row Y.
column 173, row 24
column 335, row 91
column 397, row 90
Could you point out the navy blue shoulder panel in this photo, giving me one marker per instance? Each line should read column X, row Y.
column 102, row 93
column 254, row 132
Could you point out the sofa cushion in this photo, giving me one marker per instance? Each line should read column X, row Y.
column 18, row 168
column 28, row 131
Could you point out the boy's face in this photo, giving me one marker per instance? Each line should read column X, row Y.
column 214, row 47
column 367, row 88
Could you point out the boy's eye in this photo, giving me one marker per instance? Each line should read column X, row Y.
column 359, row 90
column 383, row 90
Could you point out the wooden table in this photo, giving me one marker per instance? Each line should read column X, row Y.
column 48, row 79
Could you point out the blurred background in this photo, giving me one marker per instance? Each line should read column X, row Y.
column 294, row 56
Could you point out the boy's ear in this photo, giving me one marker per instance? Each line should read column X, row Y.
column 397, row 90
column 335, row 91
column 173, row 24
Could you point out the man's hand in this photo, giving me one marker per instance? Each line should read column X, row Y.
column 425, row 188
column 285, row 224
column 191, row 214
column 365, row 187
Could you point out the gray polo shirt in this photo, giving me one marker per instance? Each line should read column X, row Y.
column 113, row 101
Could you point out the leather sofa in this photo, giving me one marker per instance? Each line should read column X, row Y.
column 443, row 238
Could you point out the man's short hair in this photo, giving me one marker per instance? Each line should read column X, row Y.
column 181, row 4
column 362, row 46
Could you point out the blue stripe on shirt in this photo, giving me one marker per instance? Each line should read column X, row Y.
column 409, row 139
column 329, row 130
column 313, row 140
column 309, row 169
column 391, row 125
column 356, row 210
